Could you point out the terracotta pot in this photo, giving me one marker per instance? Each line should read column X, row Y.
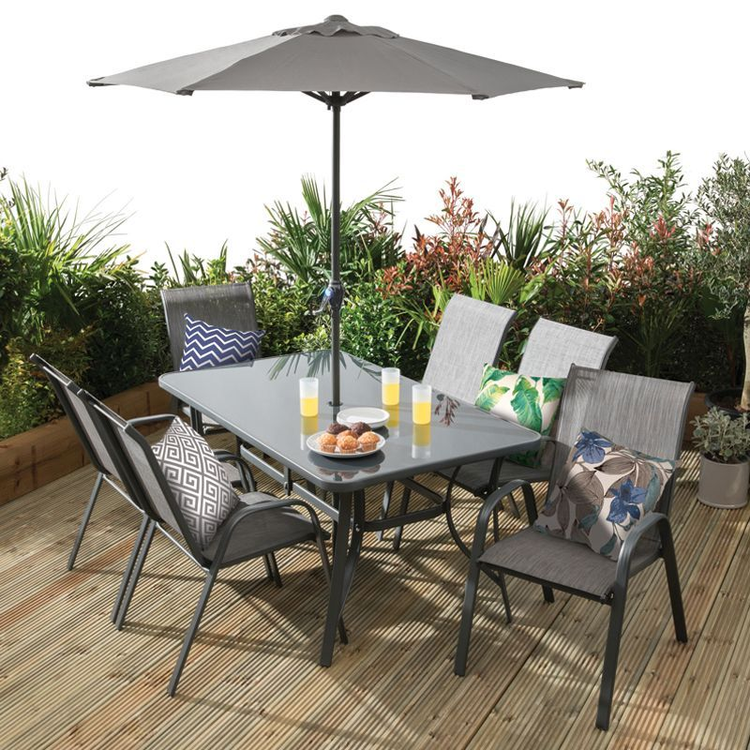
column 723, row 485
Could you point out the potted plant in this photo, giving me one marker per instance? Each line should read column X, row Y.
column 724, row 259
column 724, row 444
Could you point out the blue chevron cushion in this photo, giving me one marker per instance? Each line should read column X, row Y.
column 210, row 346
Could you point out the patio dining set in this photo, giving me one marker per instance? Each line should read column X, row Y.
column 608, row 432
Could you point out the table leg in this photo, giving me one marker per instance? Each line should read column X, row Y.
column 351, row 507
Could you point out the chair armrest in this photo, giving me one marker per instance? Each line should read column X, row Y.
column 242, row 514
column 491, row 502
column 152, row 418
column 224, row 455
column 634, row 537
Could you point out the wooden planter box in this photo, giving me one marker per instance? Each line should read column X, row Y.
column 39, row 456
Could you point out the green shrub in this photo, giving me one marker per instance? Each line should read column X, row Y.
column 722, row 438
column 128, row 345
column 26, row 398
column 283, row 308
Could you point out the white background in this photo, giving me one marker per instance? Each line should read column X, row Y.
column 195, row 171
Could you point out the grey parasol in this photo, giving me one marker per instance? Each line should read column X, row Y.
column 336, row 62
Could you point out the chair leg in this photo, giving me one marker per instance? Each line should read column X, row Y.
column 135, row 576
column 611, row 654
column 273, row 565
column 467, row 616
column 499, row 579
column 400, row 529
column 192, row 630
column 495, row 525
column 129, row 569
column 673, row 581
column 385, row 508
column 85, row 520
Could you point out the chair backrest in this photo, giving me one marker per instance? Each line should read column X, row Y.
column 553, row 347
column 644, row 414
column 225, row 305
column 75, row 409
column 141, row 472
column 470, row 336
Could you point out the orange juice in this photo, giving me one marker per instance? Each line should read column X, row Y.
column 309, row 406
column 421, row 412
column 390, row 392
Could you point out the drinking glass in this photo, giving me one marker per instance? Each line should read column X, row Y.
column 391, row 382
column 308, row 397
column 421, row 403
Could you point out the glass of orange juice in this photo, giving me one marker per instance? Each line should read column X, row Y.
column 308, row 397
column 421, row 403
column 391, row 383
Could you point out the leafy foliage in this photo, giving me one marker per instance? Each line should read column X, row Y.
column 60, row 250
column 301, row 242
column 721, row 438
column 26, row 400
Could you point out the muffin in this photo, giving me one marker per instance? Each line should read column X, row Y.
column 327, row 442
column 360, row 428
column 335, row 428
column 368, row 442
column 347, row 433
column 347, row 443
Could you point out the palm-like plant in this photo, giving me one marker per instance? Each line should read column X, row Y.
column 60, row 250
column 301, row 242
column 526, row 237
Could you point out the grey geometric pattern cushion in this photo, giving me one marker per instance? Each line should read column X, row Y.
column 198, row 481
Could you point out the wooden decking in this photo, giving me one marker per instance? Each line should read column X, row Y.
column 68, row 679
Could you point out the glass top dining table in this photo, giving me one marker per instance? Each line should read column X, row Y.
column 259, row 403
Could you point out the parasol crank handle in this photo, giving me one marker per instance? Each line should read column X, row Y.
column 333, row 297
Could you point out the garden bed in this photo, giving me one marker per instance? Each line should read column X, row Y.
column 39, row 456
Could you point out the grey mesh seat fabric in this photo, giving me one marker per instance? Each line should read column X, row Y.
column 553, row 347
column 258, row 526
column 225, row 305
column 550, row 351
column 470, row 336
column 644, row 414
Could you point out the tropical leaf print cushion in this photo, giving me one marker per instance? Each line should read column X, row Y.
column 603, row 491
column 529, row 401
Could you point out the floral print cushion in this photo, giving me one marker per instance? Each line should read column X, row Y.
column 528, row 401
column 603, row 491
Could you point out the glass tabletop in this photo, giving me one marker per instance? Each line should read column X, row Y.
column 259, row 402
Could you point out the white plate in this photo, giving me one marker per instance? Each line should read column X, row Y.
column 368, row 414
column 312, row 444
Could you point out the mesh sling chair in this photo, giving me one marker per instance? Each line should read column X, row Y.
column 550, row 351
column 643, row 414
column 259, row 525
column 67, row 393
column 471, row 335
column 225, row 305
